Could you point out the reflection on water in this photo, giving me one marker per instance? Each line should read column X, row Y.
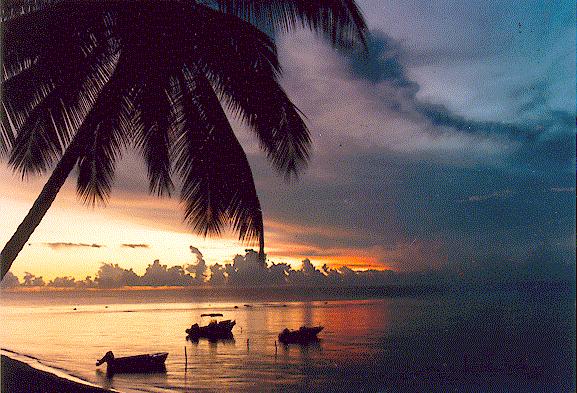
column 134, row 380
column 510, row 341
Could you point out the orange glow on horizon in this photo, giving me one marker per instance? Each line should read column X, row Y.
column 156, row 223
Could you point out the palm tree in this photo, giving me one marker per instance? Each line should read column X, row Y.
column 84, row 79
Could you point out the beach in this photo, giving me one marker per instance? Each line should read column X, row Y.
column 19, row 377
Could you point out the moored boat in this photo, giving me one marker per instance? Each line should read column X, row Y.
column 134, row 364
column 303, row 335
column 213, row 331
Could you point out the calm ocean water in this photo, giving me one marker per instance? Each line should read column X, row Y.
column 492, row 341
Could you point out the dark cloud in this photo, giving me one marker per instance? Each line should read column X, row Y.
column 88, row 282
column 30, row 280
column 197, row 269
column 563, row 189
column 441, row 117
column 385, row 63
column 382, row 201
column 382, row 62
column 533, row 97
column 113, row 276
column 135, row 245
column 161, row 275
column 248, row 271
column 9, row 281
column 485, row 197
column 59, row 245
column 217, row 275
column 390, row 167
column 553, row 149
column 63, row 282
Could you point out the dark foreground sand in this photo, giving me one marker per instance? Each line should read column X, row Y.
column 19, row 377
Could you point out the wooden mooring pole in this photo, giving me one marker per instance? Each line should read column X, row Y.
column 185, row 359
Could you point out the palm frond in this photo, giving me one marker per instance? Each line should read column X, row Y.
column 26, row 88
column 155, row 34
column 30, row 33
column 340, row 21
column 110, row 128
column 38, row 142
column 7, row 132
column 12, row 8
column 103, row 146
column 48, row 128
column 241, row 64
column 45, row 48
column 218, row 188
column 52, row 89
column 153, row 126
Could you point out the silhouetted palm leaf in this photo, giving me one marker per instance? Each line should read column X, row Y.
column 218, row 187
column 102, row 147
column 52, row 85
column 153, row 133
column 340, row 20
column 7, row 132
column 249, row 86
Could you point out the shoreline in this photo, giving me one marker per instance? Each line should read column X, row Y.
column 23, row 374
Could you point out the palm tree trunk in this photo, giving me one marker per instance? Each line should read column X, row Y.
column 40, row 207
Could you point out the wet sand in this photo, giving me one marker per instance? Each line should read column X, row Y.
column 20, row 377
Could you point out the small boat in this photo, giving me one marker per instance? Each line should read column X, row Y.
column 134, row 364
column 304, row 335
column 216, row 314
column 213, row 331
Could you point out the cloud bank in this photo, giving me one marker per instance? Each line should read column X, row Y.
column 246, row 271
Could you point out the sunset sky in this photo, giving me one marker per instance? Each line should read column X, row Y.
column 452, row 143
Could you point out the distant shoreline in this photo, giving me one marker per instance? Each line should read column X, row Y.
column 18, row 376
column 386, row 290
